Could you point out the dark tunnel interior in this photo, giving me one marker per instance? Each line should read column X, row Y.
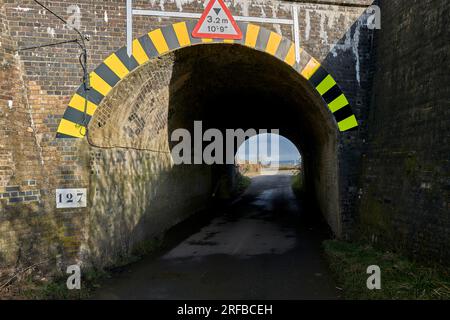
column 232, row 87
column 225, row 87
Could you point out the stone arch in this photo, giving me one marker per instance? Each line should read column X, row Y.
column 119, row 65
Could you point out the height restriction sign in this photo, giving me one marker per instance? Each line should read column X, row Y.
column 217, row 22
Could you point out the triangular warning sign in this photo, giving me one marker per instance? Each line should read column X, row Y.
column 217, row 22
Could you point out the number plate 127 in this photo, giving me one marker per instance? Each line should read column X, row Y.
column 71, row 198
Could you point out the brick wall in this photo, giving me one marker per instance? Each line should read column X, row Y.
column 405, row 198
column 37, row 85
column 21, row 174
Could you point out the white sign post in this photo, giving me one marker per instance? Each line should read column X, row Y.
column 71, row 198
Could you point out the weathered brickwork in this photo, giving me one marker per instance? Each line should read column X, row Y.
column 37, row 85
column 405, row 183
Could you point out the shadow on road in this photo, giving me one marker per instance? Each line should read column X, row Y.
column 263, row 246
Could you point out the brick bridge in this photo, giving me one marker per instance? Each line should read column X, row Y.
column 368, row 109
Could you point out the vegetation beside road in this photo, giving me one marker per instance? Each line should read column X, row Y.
column 31, row 287
column 242, row 183
column 401, row 278
column 297, row 183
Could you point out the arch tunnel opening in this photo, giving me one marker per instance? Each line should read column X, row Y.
column 224, row 87
column 267, row 153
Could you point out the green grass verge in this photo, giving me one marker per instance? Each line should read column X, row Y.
column 243, row 182
column 56, row 288
column 297, row 184
column 401, row 278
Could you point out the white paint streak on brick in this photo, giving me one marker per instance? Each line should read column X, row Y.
column 263, row 13
column 179, row 4
column 355, row 48
column 351, row 42
column 307, row 24
column 51, row 32
column 323, row 32
column 241, row 6
column 19, row 8
column 244, row 7
column 274, row 15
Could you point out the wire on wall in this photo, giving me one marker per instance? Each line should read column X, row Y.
column 83, row 57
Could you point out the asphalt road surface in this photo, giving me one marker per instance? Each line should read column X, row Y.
column 260, row 248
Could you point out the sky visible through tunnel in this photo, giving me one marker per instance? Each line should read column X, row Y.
column 251, row 150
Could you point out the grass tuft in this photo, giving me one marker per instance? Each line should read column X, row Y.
column 401, row 279
column 243, row 182
column 297, row 184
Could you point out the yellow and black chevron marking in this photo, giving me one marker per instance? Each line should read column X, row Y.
column 327, row 87
column 169, row 38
